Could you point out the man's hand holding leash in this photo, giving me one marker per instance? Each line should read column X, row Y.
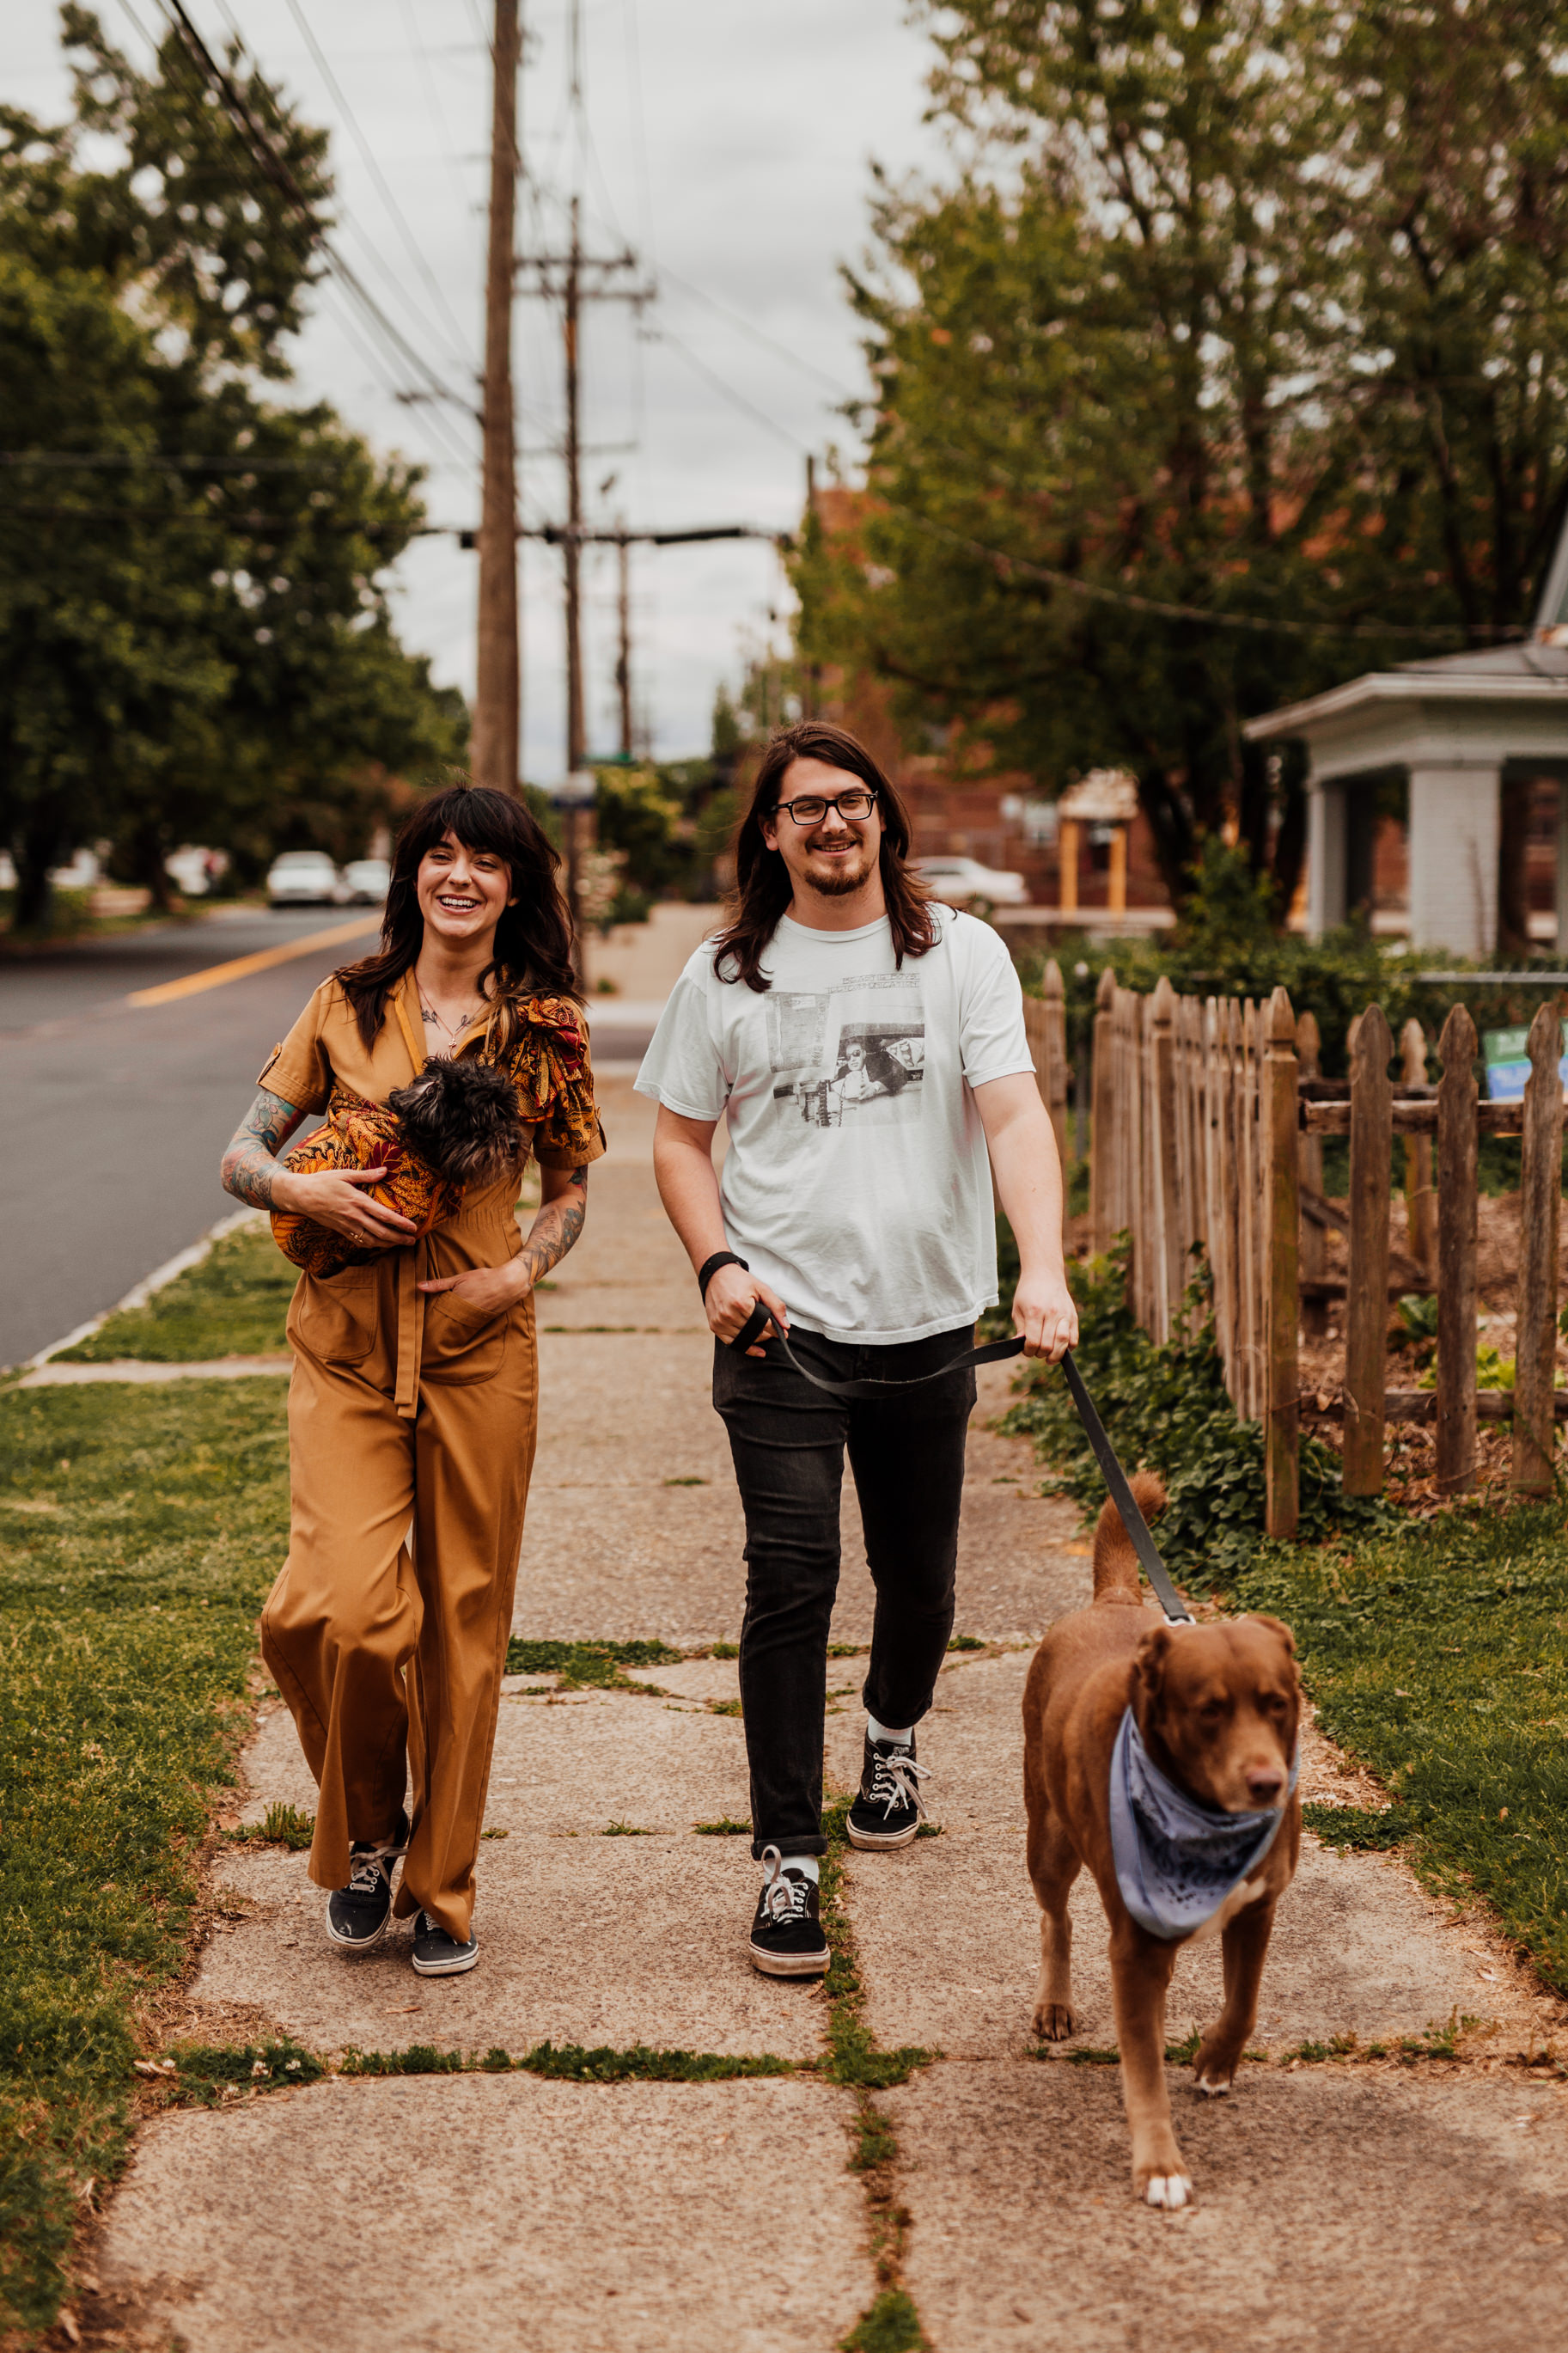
column 1042, row 1311
column 731, row 1296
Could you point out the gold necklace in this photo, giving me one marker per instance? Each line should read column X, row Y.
column 453, row 1031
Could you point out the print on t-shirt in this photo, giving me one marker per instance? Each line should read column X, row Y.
column 854, row 1054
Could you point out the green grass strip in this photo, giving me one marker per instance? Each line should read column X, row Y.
column 890, row 2322
column 139, row 1530
column 232, row 1305
column 1440, row 1660
column 573, row 2063
column 599, row 1665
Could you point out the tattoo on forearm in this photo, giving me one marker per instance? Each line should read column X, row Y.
column 556, row 1228
column 250, row 1164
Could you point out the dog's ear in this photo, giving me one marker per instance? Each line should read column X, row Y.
column 1148, row 1663
column 1277, row 1626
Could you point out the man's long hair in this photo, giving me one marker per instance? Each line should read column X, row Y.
column 763, row 886
column 532, row 950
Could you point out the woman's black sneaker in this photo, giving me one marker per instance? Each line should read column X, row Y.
column 438, row 1954
column 888, row 1809
column 357, row 1915
column 786, row 1935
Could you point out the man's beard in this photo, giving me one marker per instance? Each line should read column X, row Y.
column 842, row 880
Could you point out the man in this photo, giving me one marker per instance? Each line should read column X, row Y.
column 870, row 1243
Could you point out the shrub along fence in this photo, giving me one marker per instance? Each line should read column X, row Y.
column 1207, row 1120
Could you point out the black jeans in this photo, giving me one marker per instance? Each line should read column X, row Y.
column 787, row 1439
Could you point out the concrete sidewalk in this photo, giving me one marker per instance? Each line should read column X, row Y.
column 1409, row 2205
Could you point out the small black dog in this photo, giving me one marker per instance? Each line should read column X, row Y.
column 459, row 1123
column 463, row 1120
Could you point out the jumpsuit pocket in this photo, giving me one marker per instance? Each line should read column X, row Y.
column 332, row 1316
column 462, row 1343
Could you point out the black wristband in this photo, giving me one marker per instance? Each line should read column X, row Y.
column 710, row 1267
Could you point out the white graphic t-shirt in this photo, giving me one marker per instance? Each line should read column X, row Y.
column 857, row 1184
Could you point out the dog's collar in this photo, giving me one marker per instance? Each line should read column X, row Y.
column 1177, row 1859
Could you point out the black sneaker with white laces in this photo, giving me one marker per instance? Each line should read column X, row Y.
column 439, row 1954
column 357, row 1915
column 787, row 1934
column 888, row 1809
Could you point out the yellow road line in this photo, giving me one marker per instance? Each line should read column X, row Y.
column 219, row 975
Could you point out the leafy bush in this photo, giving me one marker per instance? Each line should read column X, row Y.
column 1165, row 1409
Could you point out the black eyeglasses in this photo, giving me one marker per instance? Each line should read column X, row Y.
column 853, row 806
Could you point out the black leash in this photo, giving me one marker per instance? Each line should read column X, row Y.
column 996, row 1352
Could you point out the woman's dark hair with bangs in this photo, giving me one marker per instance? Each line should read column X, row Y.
column 762, row 887
column 534, row 939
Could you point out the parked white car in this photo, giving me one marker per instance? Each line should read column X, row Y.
column 965, row 883
column 304, row 878
column 366, row 878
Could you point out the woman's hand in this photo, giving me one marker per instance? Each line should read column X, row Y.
column 488, row 1290
column 1044, row 1312
column 732, row 1296
column 332, row 1197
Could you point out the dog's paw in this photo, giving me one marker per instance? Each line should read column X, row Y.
column 1168, row 2190
column 1213, row 2069
column 1055, row 2022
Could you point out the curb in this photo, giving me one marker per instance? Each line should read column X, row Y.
column 139, row 1294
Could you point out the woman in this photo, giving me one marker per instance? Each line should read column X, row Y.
column 414, row 1387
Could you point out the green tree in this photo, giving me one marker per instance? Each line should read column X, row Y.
column 1152, row 445
column 195, row 634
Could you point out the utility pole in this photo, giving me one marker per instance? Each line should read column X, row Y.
column 571, row 279
column 810, row 697
column 624, row 656
column 576, row 732
column 499, row 686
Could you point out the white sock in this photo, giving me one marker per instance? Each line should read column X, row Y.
column 806, row 1864
column 881, row 1732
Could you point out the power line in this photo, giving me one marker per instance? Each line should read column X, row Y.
column 758, row 335
column 433, row 96
column 276, row 171
column 410, row 243
column 390, row 277
column 1164, row 608
column 737, row 400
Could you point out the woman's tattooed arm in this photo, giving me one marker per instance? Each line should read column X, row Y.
column 250, row 1164
column 559, row 1222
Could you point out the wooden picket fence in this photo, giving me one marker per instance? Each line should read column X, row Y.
column 1207, row 1120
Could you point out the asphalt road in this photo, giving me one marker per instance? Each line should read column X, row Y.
column 116, row 1116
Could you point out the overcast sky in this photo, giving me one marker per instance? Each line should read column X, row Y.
column 730, row 143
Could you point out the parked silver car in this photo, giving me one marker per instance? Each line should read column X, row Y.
column 366, row 880
column 304, row 878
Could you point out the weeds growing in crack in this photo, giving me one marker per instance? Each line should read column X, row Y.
column 890, row 2322
column 282, row 1826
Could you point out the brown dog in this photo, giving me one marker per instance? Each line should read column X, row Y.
column 1215, row 1709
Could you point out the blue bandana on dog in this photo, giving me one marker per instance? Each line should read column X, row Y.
column 1177, row 1861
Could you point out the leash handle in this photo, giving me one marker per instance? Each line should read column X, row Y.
column 997, row 1352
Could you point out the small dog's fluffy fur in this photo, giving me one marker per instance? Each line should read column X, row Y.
column 462, row 1120
column 457, row 1124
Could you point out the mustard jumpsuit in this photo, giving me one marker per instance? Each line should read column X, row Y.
column 412, row 1423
